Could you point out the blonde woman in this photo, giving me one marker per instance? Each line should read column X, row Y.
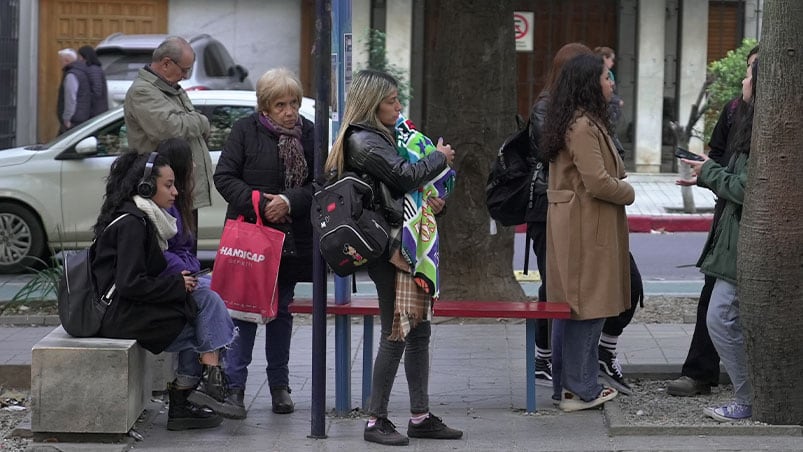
column 366, row 146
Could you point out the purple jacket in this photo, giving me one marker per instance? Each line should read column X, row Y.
column 179, row 255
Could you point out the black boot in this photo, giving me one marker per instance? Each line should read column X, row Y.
column 236, row 397
column 212, row 392
column 282, row 403
column 183, row 415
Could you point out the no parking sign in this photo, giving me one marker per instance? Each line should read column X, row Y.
column 523, row 30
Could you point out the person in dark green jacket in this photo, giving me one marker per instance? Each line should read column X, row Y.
column 718, row 259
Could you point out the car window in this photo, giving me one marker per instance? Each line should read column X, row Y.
column 221, row 118
column 118, row 65
column 112, row 139
column 217, row 60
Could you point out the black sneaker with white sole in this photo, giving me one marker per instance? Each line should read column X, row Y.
column 543, row 370
column 610, row 371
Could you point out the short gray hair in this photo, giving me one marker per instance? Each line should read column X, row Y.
column 172, row 47
column 69, row 54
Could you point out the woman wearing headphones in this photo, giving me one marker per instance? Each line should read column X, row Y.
column 155, row 309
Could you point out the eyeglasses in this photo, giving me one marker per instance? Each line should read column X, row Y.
column 184, row 71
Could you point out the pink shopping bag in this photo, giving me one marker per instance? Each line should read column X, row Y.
column 247, row 268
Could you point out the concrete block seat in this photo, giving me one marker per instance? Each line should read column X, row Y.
column 88, row 385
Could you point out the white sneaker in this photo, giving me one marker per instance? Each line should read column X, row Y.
column 571, row 402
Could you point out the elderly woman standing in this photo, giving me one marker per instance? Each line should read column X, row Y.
column 271, row 151
column 587, row 233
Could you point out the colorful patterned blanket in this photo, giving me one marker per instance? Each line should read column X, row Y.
column 419, row 241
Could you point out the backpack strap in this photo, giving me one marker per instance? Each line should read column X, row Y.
column 107, row 297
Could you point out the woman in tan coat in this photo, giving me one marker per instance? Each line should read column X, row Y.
column 587, row 235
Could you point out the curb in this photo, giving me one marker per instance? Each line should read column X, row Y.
column 617, row 427
column 663, row 223
column 30, row 320
column 670, row 223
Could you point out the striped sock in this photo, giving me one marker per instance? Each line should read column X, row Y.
column 608, row 342
column 543, row 353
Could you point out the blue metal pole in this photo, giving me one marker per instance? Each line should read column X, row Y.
column 323, row 26
column 367, row 358
column 529, row 355
column 341, row 36
column 341, row 25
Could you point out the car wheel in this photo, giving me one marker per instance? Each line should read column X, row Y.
column 22, row 239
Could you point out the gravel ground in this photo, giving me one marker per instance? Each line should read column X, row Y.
column 649, row 405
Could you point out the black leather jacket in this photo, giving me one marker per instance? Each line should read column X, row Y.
column 371, row 154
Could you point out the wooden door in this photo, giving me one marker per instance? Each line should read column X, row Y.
column 725, row 28
column 555, row 23
column 75, row 23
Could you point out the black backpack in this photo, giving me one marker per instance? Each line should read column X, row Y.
column 81, row 306
column 515, row 180
column 352, row 235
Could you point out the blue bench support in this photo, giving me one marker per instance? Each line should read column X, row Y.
column 367, row 358
column 529, row 355
column 342, row 364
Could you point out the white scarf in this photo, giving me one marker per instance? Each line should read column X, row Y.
column 164, row 222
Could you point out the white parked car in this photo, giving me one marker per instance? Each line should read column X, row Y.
column 50, row 194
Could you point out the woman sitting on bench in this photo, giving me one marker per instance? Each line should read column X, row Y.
column 156, row 309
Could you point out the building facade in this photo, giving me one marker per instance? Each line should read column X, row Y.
column 662, row 46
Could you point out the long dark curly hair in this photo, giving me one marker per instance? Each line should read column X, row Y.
column 577, row 89
column 177, row 151
column 121, row 185
column 743, row 125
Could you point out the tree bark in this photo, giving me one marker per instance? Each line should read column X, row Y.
column 770, row 263
column 470, row 100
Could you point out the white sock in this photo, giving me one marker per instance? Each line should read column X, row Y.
column 371, row 422
column 418, row 419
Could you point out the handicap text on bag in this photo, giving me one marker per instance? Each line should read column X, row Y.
column 352, row 235
column 246, row 271
column 81, row 307
column 516, row 179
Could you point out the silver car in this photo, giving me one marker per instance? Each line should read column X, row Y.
column 122, row 56
column 50, row 194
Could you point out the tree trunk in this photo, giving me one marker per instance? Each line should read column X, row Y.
column 469, row 100
column 771, row 238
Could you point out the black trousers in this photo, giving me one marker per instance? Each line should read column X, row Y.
column 702, row 362
column 613, row 325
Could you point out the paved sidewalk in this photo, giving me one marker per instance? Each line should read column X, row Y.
column 659, row 205
column 476, row 385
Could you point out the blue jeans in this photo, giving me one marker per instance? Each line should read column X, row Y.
column 728, row 338
column 415, row 349
column 277, row 344
column 575, row 360
column 213, row 330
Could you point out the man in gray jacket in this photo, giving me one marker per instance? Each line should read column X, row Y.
column 157, row 108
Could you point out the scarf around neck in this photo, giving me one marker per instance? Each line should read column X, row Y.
column 291, row 152
column 165, row 223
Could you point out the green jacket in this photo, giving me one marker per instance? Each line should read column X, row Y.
column 719, row 253
column 156, row 111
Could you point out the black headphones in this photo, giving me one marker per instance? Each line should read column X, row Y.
column 147, row 186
